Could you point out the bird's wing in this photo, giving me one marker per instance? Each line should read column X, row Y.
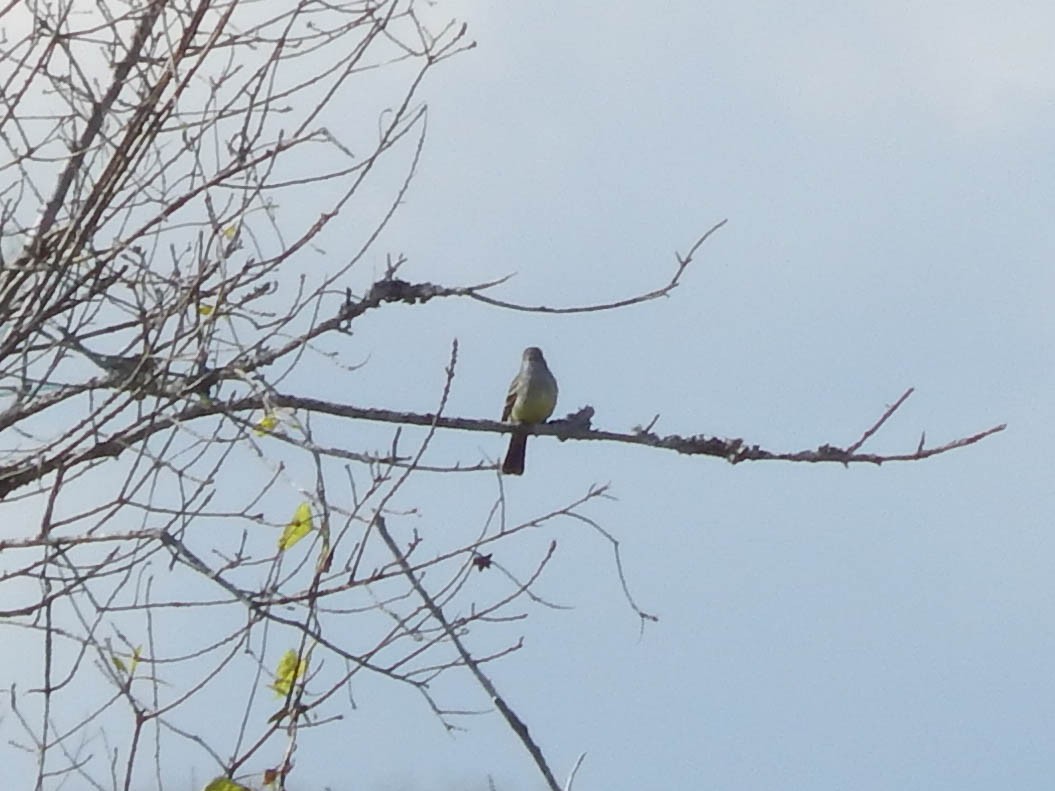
column 511, row 398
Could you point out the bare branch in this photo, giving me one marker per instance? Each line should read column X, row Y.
column 683, row 263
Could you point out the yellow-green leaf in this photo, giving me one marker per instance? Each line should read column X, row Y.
column 290, row 668
column 225, row 784
column 119, row 663
column 299, row 526
column 266, row 424
column 205, row 310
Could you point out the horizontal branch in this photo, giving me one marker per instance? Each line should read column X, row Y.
column 576, row 426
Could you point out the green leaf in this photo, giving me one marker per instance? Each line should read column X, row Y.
column 299, row 526
column 266, row 424
column 225, row 784
column 290, row 668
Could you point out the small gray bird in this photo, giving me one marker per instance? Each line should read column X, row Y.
column 133, row 371
column 531, row 399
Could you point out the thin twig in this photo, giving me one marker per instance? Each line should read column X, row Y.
column 515, row 723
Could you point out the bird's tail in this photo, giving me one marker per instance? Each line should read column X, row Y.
column 514, row 462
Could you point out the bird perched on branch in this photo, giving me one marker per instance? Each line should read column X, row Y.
column 531, row 399
column 134, row 371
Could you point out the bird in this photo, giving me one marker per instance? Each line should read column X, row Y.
column 531, row 399
column 131, row 371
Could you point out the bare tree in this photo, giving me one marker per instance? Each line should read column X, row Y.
column 171, row 169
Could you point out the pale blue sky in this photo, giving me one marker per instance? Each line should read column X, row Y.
column 887, row 176
column 886, row 173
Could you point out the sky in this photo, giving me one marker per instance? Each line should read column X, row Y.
column 886, row 174
column 885, row 170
